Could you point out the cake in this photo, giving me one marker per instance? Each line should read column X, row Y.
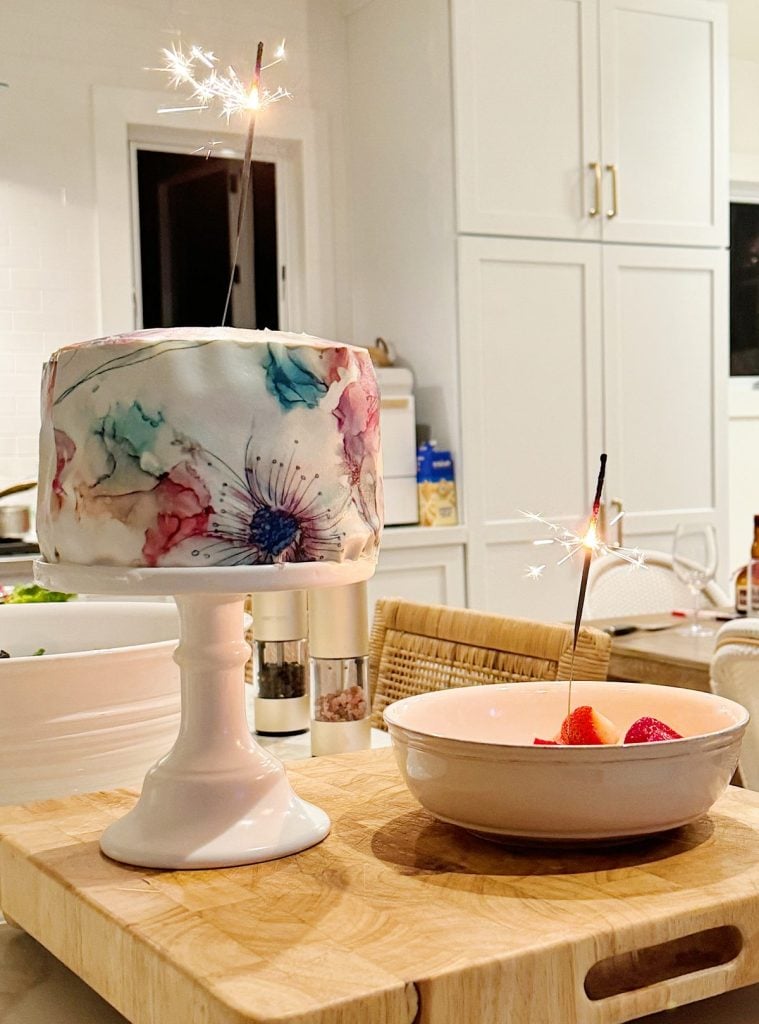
column 209, row 447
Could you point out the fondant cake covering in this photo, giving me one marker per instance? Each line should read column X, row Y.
column 209, row 447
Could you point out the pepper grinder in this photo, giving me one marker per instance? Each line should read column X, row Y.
column 280, row 662
column 339, row 648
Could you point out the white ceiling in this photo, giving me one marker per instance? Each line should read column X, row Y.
column 743, row 17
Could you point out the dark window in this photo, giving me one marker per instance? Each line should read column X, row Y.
column 188, row 215
column 744, row 289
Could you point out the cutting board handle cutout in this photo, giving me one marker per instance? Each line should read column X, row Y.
column 650, row 965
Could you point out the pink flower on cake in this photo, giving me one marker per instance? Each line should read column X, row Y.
column 65, row 449
column 335, row 360
column 357, row 414
column 183, row 508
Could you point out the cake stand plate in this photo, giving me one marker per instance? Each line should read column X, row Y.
column 217, row 799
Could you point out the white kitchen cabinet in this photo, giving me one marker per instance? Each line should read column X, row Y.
column 421, row 564
column 665, row 354
column 663, row 74
column 526, row 116
column 568, row 350
column 592, row 119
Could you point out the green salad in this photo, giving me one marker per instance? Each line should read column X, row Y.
column 31, row 593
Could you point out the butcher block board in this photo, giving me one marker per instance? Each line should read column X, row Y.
column 395, row 918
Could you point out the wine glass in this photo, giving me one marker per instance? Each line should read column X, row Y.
column 694, row 560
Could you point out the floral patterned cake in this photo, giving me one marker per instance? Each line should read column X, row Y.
column 209, row 447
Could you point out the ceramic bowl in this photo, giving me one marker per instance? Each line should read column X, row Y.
column 98, row 708
column 467, row 756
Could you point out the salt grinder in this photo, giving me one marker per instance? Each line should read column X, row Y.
column 339, row 647
column 280, row 662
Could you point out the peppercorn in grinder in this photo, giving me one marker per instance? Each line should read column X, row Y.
column 280, row 662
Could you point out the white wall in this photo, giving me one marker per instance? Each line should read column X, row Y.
column 402, row 215
column 52, row 53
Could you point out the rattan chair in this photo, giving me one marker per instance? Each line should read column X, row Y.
column 415, row 648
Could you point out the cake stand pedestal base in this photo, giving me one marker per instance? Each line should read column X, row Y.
column 217, row 799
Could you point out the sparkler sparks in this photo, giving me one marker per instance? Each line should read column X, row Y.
column 571, row 543
column 534, row 572
column 195, row 70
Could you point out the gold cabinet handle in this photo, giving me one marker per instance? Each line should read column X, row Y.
column 614, row 211
column 596, row 207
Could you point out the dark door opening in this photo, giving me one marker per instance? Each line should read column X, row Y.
column 187, row 215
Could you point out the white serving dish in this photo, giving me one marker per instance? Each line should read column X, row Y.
column 467, row 756
column 98, row 709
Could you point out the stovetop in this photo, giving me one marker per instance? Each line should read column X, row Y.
column 15, row 546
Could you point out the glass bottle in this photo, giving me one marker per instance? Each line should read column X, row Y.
column 747, row 584
column 280, row 662
column 338, row 627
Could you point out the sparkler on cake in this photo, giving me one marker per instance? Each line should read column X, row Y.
column 195, row 70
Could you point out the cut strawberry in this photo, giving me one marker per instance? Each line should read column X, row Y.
column 585, row 726
column 545, row 743
column 650, row 730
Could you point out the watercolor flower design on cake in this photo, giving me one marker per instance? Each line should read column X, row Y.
column 279, row 508
column 277, row 513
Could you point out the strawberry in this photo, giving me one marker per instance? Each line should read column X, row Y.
column 545, row 743
column 585, row 726
column 650, row 730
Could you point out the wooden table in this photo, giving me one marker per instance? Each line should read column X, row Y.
column 665, row 657
column 395, row 918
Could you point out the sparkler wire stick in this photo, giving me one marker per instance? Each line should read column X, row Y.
column 589, row 545
column 245, row 177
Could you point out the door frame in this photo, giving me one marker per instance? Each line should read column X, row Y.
column 121, row 113
column 290, row 284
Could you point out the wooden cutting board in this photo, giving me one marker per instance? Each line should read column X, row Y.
column 395, row 918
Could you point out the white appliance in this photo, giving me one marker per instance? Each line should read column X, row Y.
column 398, row 430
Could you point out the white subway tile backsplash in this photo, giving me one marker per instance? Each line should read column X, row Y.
column 18, row 299
column 22, row 254
column 26, row 384
column 28, row 445
column 35, row 320
column 26, row 277
column 18, row 425
column 28, row 362
column 23, row 341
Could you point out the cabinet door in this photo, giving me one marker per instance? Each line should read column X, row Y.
column 665, row 348
column 664, row 121
column 531, row 380
column 427, row 574
column 526, row 116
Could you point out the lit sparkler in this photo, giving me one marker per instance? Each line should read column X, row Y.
column 571, row 543
column 590, row 544
column 195, row 70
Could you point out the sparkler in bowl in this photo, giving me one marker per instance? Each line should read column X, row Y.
column 590, row 544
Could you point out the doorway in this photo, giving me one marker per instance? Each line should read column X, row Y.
column 186, row 220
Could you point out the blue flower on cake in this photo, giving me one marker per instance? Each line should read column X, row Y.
column 278, row 513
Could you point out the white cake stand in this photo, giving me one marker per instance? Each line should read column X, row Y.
column 217, row 798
